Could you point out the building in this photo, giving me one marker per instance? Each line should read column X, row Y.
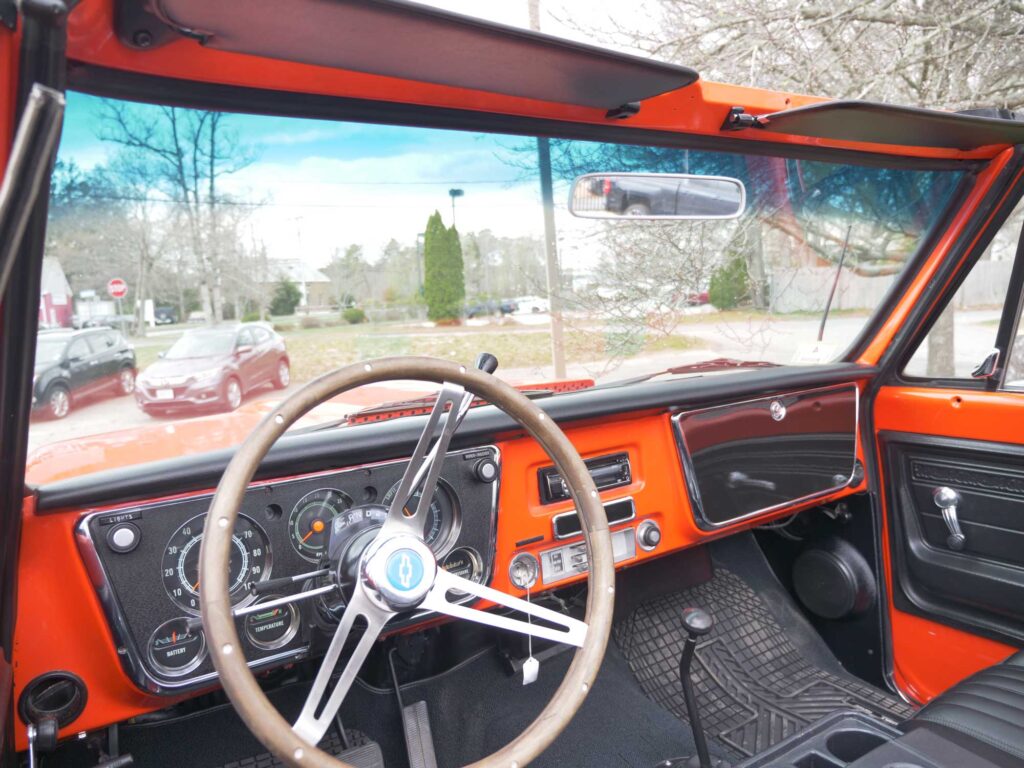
column 313, row 284
column 55, row 297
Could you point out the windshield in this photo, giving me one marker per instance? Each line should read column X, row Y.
column 354, row 241
column 50, row 350
column 202, row 344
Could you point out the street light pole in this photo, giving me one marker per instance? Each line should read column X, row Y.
column 453, row 193
column 553, row 272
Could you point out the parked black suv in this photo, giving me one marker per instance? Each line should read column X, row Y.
column 75, row 365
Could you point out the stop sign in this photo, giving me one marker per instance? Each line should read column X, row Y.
column 117, row 288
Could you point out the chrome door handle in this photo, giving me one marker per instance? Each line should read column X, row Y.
column 947, row 500
column 743, row 480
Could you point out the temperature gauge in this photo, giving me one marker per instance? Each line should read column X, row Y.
column 176, row 649
column 272, row 627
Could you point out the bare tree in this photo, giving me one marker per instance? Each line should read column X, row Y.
column 187, row 153
column 945, row 54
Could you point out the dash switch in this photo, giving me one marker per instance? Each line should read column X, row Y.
column 123, row 538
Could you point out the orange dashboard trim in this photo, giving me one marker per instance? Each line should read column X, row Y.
column 61, row 624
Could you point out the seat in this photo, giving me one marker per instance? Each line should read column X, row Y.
column 984, row 713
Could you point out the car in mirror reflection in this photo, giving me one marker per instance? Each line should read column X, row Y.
column 657, row 196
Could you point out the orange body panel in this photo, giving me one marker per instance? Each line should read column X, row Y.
column 700, row 108
column 61, row 624
column 929, row 657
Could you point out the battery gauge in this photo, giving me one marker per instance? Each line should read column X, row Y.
column 176, row 648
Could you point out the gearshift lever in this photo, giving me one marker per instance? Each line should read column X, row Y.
column 697, row 623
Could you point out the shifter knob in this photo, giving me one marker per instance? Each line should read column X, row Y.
column 697, row 622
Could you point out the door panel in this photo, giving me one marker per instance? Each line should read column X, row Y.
column 952, row 612
column 982, row 586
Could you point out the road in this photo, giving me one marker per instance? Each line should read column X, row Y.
column 764, row 339
column 107, row 414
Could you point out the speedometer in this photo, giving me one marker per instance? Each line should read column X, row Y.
column 442, row 523
column 250, row 561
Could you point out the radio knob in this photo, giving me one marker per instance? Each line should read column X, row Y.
column 648, row 535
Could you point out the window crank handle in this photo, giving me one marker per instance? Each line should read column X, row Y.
column 947, row 499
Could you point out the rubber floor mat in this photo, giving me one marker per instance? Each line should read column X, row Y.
column 363, row 752
column 753, row 686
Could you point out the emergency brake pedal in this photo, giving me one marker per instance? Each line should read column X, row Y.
column 419, row 741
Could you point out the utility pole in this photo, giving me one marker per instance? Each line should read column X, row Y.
column 550, row 241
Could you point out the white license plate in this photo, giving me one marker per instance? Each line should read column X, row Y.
column 165, row 394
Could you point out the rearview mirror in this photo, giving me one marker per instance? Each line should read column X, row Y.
column 656, row 196
column 243, row 349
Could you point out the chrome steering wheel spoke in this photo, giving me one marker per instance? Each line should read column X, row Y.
column 424, row 468
column 317, row 714
column 566, row 630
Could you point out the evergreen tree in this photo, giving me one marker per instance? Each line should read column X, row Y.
column 444, row 286
column 286, row 298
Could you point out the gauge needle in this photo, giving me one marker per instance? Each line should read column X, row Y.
column 317, row 526
column 195, row 587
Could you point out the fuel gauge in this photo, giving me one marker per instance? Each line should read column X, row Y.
column 176, row 649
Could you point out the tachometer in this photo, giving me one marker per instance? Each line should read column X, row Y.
column 309, row 524
column 441, row 525
column 250, row 561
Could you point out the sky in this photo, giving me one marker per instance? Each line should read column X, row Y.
column 326, row 185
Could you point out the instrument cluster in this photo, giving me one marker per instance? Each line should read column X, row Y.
column 144, row 561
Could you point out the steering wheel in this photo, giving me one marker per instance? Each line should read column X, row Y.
column 397, row 571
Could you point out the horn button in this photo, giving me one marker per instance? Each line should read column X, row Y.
column 397, row 572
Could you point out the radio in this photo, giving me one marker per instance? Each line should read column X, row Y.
column 609, row 471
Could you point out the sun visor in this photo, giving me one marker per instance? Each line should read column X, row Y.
column 409, row 41
column 864, row 121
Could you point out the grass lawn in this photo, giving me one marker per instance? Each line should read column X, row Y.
column 314, row 351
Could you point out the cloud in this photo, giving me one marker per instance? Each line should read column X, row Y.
column 308, row 136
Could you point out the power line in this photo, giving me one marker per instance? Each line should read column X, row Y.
column 268, row 204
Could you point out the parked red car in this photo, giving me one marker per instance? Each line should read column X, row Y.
column 214, row 368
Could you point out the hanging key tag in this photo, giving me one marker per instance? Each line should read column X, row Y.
column 531, row 667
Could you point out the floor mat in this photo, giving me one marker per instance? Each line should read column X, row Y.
column 753, row 686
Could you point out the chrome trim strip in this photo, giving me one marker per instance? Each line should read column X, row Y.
column 567, row 536
column 130, row 655
column 690, row 474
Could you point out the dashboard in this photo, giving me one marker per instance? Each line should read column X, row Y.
column 144, row 561
column 115, row 598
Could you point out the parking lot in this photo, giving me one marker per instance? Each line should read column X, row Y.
column 523, row 347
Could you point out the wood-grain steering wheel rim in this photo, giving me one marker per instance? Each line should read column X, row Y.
column 224, row 645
